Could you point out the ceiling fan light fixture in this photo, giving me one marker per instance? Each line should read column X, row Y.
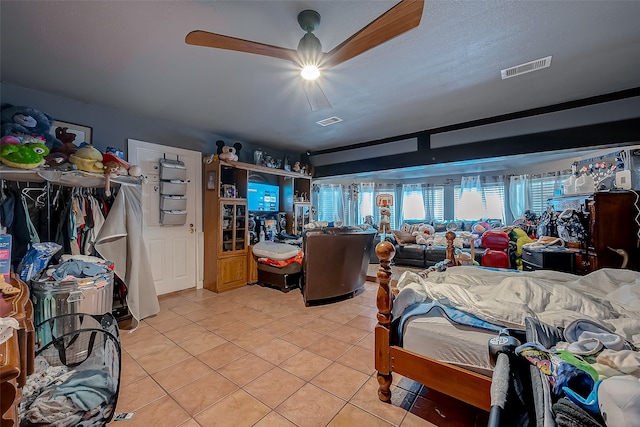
column 310, row 72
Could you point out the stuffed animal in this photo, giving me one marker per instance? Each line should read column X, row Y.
column 27, row 124
column 424, row 233
column 385, row 224
column 66, row 139
column 88, row 159
column 23, row 156
column 229, row 153
column 220, row 144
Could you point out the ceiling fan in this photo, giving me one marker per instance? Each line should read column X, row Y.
column 401, row 18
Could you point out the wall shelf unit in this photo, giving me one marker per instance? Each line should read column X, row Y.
column 226, row 235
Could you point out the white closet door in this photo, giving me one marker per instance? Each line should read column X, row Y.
column 174, row 250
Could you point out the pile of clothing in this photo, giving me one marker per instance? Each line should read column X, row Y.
column 59, row 396
column 593, row 374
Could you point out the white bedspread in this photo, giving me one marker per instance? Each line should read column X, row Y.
column 608, row 296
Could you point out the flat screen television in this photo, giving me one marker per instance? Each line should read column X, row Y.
column 263, row 197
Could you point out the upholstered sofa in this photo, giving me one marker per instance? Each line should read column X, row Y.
column 412, row 254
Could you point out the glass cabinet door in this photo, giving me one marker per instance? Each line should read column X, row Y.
column 240, row 227
column 234, row 226
column 300, row 217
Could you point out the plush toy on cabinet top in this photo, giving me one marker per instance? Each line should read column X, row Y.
column 88, row 159
column 28, row 125
column 229, row 153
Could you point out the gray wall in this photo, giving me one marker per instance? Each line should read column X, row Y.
column 112, row 127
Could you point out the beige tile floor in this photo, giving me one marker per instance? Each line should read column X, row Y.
column 258, row 357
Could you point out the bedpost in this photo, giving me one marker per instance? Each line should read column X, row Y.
column 451, row 252
column 385, row 252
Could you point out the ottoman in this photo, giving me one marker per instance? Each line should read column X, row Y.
column 283, row 278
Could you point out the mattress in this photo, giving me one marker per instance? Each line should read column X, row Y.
column 436, row 337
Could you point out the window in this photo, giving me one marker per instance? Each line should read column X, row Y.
column 366, row 205
column 412, row 202
column 330, row 203
column 542, row 189
column 434, row 203
column 474, row 204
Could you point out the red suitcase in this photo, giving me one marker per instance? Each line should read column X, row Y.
column 493, row 239
column 497, row 259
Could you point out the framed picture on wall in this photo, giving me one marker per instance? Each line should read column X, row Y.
column 71, row 132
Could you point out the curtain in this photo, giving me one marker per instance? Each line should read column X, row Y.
column 396, row 219
column 366, row 203
column 520, row 198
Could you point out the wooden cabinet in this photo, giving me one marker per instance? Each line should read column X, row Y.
column 227, row 258
column 609, row 220
column 233, row 226
column 232, row 273
column 252, row 266
column 17, row 353
column 612, row 226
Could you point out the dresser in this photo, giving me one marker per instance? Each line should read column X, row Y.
column 609, row 220
column 17, row 353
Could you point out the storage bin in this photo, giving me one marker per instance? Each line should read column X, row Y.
column 173, row 203
column 87, row 347
column 92, row 295
column 173, row 217
column 172, row 169
column 169, row 188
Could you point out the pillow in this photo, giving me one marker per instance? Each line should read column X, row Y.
column 403, row 237
column 276, row 251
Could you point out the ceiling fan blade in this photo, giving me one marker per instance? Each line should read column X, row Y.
column 206, row 39
column 315, row 96
column 399, row 19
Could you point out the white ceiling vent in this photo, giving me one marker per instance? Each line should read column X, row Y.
column 527, row 67
column 329, row 121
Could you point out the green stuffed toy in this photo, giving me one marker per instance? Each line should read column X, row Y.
column 520, row 238
column 23, row 156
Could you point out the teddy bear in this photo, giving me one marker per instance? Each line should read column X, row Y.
column 28, row 125
column 424, row 234
column 385, row 224
column 66, row 139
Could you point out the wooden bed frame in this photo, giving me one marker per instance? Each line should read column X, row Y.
column 461, row 384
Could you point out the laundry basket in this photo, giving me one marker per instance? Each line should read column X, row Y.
column 76, row 379
column 91, row 295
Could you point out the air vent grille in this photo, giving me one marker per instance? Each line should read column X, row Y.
column 527, row 67
column 329, row 121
